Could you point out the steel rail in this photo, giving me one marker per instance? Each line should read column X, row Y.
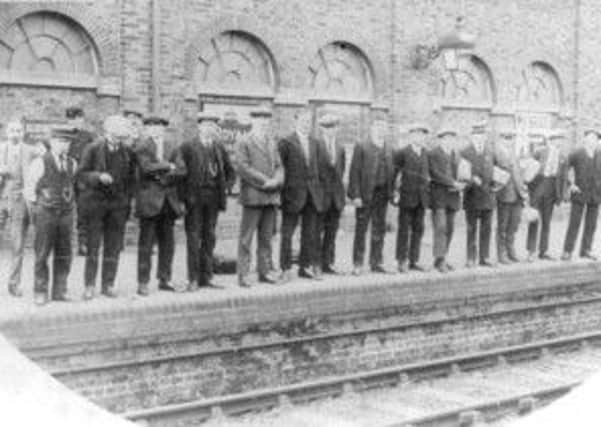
column 61, row 372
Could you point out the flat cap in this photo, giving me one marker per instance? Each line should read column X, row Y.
column 132, row 112
column 207, row 117
column 62, row 132
column 506, row 131
column 261, row 112
column 74, row 112
column 418, row 127
column 480, row 127
column 591, row 129
column 446, row 130
column 328, row 120
column 557, row 133
column 155, row 120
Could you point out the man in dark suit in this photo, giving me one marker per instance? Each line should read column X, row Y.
column 585, row 190
column 209, row 174
column 411, row 162
column 302, row 196
column 76, row 120
column 444, row 195
column 511, row 197
column 107, row 173
column 261, row 175
column 545, row 191
column 332, row 167
column 371, row 185
column 159, row 167
column 479, row 199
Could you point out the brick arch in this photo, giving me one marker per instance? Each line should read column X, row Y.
column 362, row 44
column 96, row 27
column 546, row 63
column 241, row 24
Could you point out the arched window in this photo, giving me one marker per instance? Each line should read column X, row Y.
column 540, row 87
column 46, row 43
column 339, row 69
column 470, row 83
column 235, row 63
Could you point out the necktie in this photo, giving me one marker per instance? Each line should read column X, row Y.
column 333, row 151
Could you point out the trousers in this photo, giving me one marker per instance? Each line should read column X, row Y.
column 508, row 222
column 259, row 219
column 375, row 213
column 158, row 228
column 329, row 221
column 443, row 224
column 410, row 231
column 309, row 247
column 483, row 217
column 200, row 223
column 20, row 221
column 590, row 226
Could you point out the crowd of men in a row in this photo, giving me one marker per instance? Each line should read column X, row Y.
column 302, row 175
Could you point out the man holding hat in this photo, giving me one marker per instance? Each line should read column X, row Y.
column 157, row 203
column 108, row 175
column 261, row 175
column 585, row 194
column 49, row 189
column 445, row 194
column 511, row 197
column 479, row 199
column 209, row 174
column 411, row 162
column 371, row 187
column 76, row 120
column 333, row 163
column 545, row 191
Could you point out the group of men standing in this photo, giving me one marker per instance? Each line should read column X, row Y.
column 301, row 174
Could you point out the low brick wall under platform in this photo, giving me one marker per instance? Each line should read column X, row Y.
column 133, row 354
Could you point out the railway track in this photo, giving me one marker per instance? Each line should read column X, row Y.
column 404, row 376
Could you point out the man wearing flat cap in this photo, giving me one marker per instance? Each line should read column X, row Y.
column 259, row 167
column 478, row 198
column 445, row 196
column 302, row 197
column 411, row 163
column 209, row 174
column 546, row 190
column 107, row 172
column 585, row 194
column 511, row 197
column 135, row 120
column 76, row 119
column 49, row 189
column 371, row 187
column 158, row 205
column 333, row 163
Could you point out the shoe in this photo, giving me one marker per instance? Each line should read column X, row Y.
column 82, row 250
column 470, row 264
column 512, row 257
column 441, row 267
column 15, row 291
column 267, row 278
column 531, row 257
column 40, row 299
column 589, row 256
column 64, row 297
column 88, row 294
column 305, row 273
column 546, row 257
column 209, row 284
column 357, row 271
column 143, row 289
column 566, row 256
column 416, row 267
column 317, row 274
column 486, row 263
column 403, row 267
column 504, row 260
column 285, row 276
column 379, row 269
column 449, row 267
column 193, row 286
column 110, row 292
column 329, row 269
column 243, row 283
column 166, row 286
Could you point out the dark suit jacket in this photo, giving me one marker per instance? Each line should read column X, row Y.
column 93, row 163
column 479, row 197
column 415, row 177
column 194, row 157
column 300, row 179
column 443, row 169
column 587, row 176
column 364, row 169
column 256, row 162
column 157, row 183
column 332, row 175
column 81, row 140
column 515, row 190
column 539, row 187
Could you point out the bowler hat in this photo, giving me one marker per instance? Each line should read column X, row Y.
column 74, row 112
column 155, row 120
